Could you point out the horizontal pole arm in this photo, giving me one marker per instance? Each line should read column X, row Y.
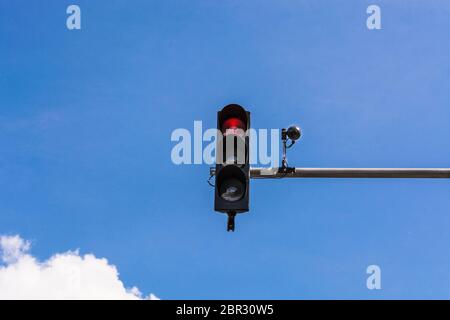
column 276, row 173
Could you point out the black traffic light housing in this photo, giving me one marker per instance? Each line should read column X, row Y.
column 232, row 162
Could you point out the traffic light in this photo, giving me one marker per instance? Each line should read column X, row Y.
column 232, row 162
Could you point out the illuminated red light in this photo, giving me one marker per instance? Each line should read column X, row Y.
column 232, row 126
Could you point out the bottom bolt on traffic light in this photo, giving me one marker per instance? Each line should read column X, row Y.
column 230, row 224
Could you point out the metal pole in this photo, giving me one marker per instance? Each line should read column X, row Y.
column 277, row 173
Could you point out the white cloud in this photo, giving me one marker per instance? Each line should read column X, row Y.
column 12, row 248
column 63, row 276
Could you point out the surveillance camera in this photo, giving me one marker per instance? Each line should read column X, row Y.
column 294, row 133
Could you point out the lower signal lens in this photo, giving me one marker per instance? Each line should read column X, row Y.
column 232, row 190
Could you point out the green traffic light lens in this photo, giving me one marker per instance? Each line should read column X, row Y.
column 232, row 190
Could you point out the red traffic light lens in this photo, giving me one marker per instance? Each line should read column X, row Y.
column 233, row 126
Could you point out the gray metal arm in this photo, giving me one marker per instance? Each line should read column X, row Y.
column 276, row 173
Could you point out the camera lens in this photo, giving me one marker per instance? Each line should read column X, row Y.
column 294, row 133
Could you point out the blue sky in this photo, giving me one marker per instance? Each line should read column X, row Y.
column 86, row 118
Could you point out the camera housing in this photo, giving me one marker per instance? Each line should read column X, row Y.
column 294, row 133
